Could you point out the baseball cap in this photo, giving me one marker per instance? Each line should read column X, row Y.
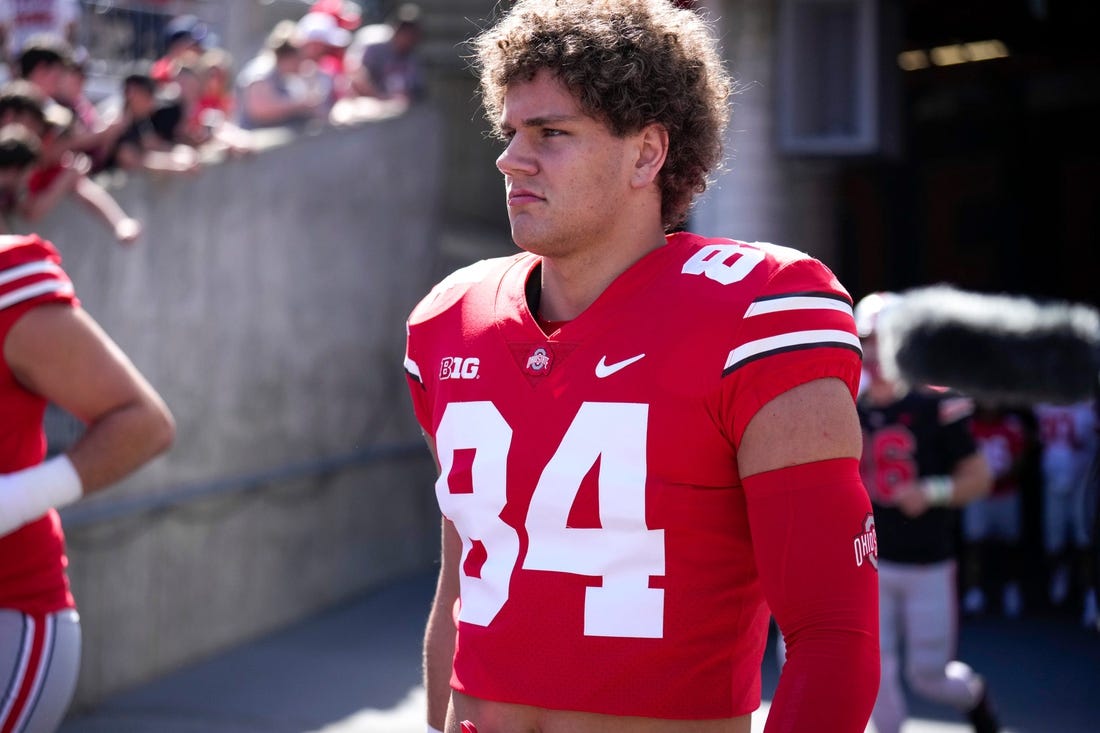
column 348, row 14
column 321, row 27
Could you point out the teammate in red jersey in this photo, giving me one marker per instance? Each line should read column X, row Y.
column 991, row 526
column 53, row 351
column 647, row 442
column 920, row 464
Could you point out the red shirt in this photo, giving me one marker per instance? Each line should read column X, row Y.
column 592, row 474
column 32, row 558
column 1003, row 441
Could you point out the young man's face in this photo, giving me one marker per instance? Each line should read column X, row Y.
column 565, row 173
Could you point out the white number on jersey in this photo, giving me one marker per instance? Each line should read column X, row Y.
column 724, row 263
column 623, row 551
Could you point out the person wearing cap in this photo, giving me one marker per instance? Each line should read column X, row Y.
column 22, row 19
column 183, row 39
column 322, row 43
column 347, row 13
column 920, row 465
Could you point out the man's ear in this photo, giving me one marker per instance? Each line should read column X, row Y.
column 652, row 149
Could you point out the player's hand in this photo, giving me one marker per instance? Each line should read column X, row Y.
column 911, row 500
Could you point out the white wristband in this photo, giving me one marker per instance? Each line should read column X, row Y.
column 28, row 494
column 433, row 730
column 939, row 490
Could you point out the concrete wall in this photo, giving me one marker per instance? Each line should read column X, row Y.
column 266, row 302
column 763, row 195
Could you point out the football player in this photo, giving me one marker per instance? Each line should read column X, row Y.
column 1068, row 442
column 647, row 441
column 52, row 351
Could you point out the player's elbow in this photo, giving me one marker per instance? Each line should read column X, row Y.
column 164, row 434
column 157, row 426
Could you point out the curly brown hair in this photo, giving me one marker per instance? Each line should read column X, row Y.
column 629, row 63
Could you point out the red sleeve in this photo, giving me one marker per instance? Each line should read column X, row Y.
column 816, row 553
column 31, row 274
column 798, row 328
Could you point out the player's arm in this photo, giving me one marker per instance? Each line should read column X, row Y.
column 61, row 353
column 439, row 636
column 798, row 459
column 970, row 479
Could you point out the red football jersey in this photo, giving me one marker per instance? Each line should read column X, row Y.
column 1003, row 441
column 592, row 475
column 32, row 558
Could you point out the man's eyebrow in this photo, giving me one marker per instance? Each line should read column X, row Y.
column 543, row 121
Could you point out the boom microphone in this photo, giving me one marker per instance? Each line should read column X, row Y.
column 1002, row 349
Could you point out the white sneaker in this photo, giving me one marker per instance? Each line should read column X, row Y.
column 974, row 601
column 1091, row 615
column 1012, row 603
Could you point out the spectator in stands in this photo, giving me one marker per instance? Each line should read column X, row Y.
column 151, row 142
column 272, row 91
column 61, row 173
column 58, row 172
column 385, row 63
column 19, row 151
column 202, row 127
column 22, row 19
column 43, row 61
column 218, row 94
column 183, row 41
column 90, row 133
column 322, row 44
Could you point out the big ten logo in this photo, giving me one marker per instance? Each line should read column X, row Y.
column 455, row 367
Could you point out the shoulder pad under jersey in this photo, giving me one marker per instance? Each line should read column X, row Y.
column 30, row 268
column 452, row 288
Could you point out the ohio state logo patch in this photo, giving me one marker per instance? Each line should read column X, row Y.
column 539, row 362
column 865, row 543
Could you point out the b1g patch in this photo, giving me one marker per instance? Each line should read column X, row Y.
column 865, row 543
column 539, row 362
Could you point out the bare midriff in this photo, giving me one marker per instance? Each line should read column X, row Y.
column 500, row 717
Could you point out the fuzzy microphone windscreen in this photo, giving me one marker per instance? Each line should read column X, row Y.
column 1003, row 349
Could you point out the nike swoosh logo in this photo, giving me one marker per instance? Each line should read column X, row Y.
column 603, row 369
